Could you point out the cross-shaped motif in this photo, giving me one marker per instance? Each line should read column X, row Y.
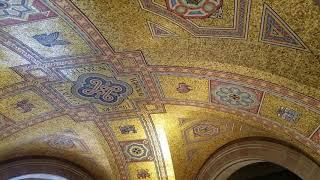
column 25, row 105
column 183, row 88
column 143, row 174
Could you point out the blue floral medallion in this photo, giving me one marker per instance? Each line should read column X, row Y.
column 100, row 89
column 235, row 97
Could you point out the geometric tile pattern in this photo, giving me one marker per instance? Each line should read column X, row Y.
column 14, row 12
column 143, row 170
column 159, row 31
column 96, row 86
column 127, row 129
column 143, row 174
column 136, row 151
column 274, row 30
column 52, row 81
column 177, row 12
column 289, row 113
column 194, row 8
column 101, row 89
column 207, row 131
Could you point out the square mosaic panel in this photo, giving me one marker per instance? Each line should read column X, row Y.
column 183, row 87
column 143, row 170
column 235, row 96
column 128, row 129
column 289, row 113
column 136, row 151
column 24, row 106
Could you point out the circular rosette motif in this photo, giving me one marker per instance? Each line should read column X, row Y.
column 234, row 96
column 137, row 151
column 194, row 8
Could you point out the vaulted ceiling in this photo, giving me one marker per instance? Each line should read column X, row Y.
column 149, row 89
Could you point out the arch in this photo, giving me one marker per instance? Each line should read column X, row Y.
column 239, row 154
column 42, row 166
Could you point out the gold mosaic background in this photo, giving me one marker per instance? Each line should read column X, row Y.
column 162, row 114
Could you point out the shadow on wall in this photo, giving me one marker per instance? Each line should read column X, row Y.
column 263, row 171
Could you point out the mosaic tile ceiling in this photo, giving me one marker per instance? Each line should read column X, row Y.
column 149, row 89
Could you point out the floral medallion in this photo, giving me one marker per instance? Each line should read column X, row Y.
column 137, row 151
column 236, row 96
column 101, row 89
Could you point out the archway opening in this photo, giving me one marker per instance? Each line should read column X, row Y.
column 255, row 152
column 42, row 168
column 263, row 171
column 39, row 176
